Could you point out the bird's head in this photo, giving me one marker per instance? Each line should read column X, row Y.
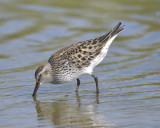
column 43, row 75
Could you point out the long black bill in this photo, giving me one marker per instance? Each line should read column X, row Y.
column 36, row 88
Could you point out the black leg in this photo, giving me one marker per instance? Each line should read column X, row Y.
column 96, row 80
column 78, row 84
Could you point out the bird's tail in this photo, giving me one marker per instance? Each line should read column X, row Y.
column 115, row 31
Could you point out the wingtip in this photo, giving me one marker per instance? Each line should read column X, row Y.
column 121, row 27
column 120, row 23
column 117, row 29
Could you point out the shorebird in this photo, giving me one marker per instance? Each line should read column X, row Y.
column 76, row 60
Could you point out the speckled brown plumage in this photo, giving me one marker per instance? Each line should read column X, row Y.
column 81, row 54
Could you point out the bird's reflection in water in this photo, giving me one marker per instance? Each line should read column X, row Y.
column 70, row 114
column 78, row 98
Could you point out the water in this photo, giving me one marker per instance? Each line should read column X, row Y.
column 129, row 77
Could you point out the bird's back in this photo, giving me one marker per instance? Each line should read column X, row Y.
column 83, row 56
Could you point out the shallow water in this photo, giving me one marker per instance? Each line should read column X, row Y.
column 129, row 77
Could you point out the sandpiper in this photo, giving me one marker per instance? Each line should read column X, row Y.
column 76, row 60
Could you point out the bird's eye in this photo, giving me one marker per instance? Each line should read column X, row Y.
column 39, row 78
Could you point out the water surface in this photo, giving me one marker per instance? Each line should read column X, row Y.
column 31, row 31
